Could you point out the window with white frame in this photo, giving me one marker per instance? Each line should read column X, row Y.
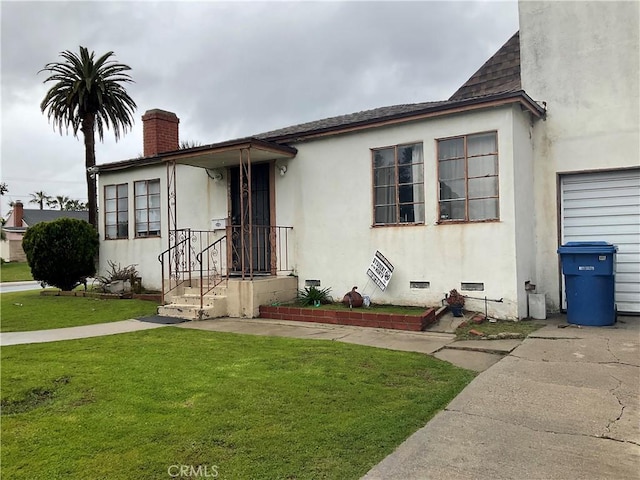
column 468, row 178
column 116, row 211
column 398, row 185
column 147, row 205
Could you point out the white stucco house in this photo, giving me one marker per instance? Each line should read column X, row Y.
column 539, row 147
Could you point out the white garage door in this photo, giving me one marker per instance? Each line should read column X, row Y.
column 606, row 206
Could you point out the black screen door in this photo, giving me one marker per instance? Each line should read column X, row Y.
column 258, row 240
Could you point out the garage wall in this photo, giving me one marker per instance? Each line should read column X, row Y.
column 582, row 60
column 606, row 206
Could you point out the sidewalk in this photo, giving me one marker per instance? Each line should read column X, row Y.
column 562, row 405
column 422, row 342
column 72, row 333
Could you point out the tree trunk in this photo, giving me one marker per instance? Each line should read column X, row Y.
column 88, row 124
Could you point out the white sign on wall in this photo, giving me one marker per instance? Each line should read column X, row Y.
column 380, row 271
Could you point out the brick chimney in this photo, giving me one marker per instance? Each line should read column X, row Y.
column 18, row 212
column 160, row 132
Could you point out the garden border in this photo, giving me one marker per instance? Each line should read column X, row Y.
column 356, row 317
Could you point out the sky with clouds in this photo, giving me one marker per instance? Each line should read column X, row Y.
column 231, row 69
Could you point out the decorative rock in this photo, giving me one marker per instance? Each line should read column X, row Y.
column 119, row 286
column 476, row 333
column 463, row 324
column 478, row 319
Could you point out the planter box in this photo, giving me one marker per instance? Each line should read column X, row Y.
column 82, row 293
column 152, row 297
column 357, row 317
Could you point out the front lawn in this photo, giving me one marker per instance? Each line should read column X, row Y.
column 15, row 272
column 23, row 311
column 137, row 405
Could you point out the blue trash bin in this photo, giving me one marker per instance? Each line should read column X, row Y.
column 589, row 277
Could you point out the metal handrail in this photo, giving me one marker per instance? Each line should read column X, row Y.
column 220, row 274
column 270, row 250
column 271, row 253
column 161, row 260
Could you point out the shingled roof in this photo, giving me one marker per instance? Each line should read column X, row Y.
column 33, row 216
column 499, row 74
column 351, row 119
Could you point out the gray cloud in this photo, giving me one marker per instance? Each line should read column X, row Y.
column 230, row 69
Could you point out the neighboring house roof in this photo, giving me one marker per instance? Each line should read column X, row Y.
column 32, row 216
column 499, row 74
column 496, row 82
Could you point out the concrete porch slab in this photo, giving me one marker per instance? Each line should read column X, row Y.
column 448, row 323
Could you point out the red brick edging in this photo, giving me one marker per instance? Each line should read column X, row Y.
column 152, row 297
column 357, row 317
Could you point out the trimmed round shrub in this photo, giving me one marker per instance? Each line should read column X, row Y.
column 61, row 253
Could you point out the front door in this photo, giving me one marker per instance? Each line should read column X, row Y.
column 251, row 248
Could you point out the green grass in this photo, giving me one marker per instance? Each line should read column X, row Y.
column 523, row 328
column 23, row 311
column 15, row 272
column 129, row 406
column 374, row 308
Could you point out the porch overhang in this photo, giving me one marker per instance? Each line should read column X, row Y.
column 228, row 153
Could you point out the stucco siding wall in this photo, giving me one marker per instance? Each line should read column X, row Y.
column 195, row 204
column 4, row 250
column 327, row 195
column 582, row 59
column 11, row 248
column 524, row 208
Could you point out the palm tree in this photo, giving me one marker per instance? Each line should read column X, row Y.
column 74, row 205
column 40, row 198
column 60, row 201
column 87, row 95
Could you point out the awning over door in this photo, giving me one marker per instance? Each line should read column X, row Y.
column 228, row 153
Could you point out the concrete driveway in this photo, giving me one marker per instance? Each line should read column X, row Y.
column 562, row 405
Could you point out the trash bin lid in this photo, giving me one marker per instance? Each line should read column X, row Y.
column 587, row 247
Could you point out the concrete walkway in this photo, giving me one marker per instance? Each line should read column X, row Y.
column 562, row 405
column 421, row 342
column 72, row 333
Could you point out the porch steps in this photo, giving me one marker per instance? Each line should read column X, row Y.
column 187, row 304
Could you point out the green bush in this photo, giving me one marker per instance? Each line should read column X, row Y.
column 314, row 296
column 61, row 253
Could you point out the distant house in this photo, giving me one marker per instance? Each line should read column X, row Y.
column 20, row 219
column 538, row 147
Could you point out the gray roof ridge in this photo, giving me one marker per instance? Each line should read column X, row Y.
column 378, row 113
column 500, row 73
